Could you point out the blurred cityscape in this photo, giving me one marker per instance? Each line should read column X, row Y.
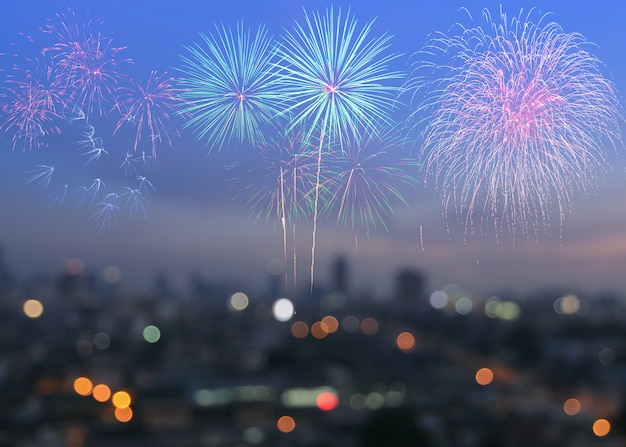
column 84, row 364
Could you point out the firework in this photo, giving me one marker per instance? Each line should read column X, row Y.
column 335, row 83
column 514, row 119
column 277, row 183
column 365, row 179
column 88, row 61
column 32, row 98
column 149, row 107
column 231, row 86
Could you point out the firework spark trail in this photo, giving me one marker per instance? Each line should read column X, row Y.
column 231, row 86
column 151, row 105
column 365, row 179
column 334, row 78
column 514, row 119
column 276, row 181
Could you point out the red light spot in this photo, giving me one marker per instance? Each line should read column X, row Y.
column 327, row 401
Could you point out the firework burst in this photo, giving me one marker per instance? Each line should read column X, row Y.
column 515, row 117
column 231, row 87
column 150, row 107
column 335, row 84
column 365, row 180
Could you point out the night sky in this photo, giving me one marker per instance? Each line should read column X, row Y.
column 194, row 223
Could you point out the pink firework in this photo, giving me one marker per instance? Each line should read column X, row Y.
column 515, row 117
column 149, row 107
column 89, row 61
column 32, row 98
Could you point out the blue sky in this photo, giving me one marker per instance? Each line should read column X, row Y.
column 193, row 223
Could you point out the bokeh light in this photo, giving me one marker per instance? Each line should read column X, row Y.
column 121, row 399
column 83, row 386
column 463, row 305
column 253, row 435
column 124, row 414
column 286, row 424
column 283, row 309
column 112, row 274
column 73, row 266
column 318, row 330
column 350, row 324
column 571, row 407
column 327, row 401
column 331, row 324
column 32, row 308
column 606, row 356
column 405, row 342
column 601, row 427
column 101, row 341
column 151, row 334
column 299, row 329
column 369, row 326
column 484, row 376
column 238, row 301
column 101, row 392
column 438, row 299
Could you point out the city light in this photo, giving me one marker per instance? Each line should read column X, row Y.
column 123, row 414
column 571, row 407
column 327, row 401
column 83, row 386
column 484, row 376
column 286, row 424
column 151, row 334
column 238, row 301
column 299, row 329
column 101, row 392
column 121, row 399
column 405, row 342
column 32, row 308
column 369, row 326
column 283, row 309
column 601, row 427
column 331, row 324
column 318, row 330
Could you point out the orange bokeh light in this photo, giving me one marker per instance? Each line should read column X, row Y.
column 300, row 329
column 318, row 330
column 83, row 386
column 484, row 376
column 405, row 342
column 101, row 393
column 286, row 424
column 123, row 414
column 601, row 427
column 571, row 407
column 331, row 324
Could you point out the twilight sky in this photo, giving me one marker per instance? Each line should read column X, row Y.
column 194, row 224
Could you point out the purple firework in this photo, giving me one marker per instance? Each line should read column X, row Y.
column 514, row 118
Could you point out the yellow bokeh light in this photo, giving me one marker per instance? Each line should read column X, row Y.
column 300, row 329
column 331, row 324
column 101, row 392
column 83, row 386
column 33, row 308
column 121, row 399
column 369, row 326
column 484, row 376
column 571, row 407
column 601, row 427
column 286, row 424
column 405, row 342
column 124, row 414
